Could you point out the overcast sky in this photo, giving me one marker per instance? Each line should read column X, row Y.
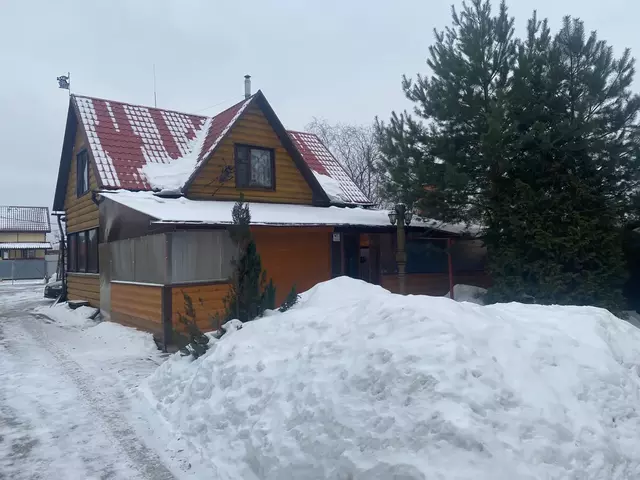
column 341, row 60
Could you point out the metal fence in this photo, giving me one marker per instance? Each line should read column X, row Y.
column 24, row 269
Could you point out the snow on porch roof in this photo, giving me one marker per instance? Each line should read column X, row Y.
column 212, row 212
column 131, row 145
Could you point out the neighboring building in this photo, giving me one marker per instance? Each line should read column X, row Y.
column 23, row 242
column 147, row 197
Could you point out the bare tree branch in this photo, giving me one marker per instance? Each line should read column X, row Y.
column 356, row 148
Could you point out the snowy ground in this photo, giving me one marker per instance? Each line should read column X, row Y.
column 357, row 383
column 68, row 402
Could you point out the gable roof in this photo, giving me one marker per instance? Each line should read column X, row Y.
column 24, row 219
column 128, row 142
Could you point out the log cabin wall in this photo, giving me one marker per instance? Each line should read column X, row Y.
column 251, row 129
column 207, row 300
column 84, row 286
column 136, row 305
column 294, row 256
column 82, row 214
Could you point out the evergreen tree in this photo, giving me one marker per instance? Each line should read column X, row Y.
column 250, row 293
column 535, row 139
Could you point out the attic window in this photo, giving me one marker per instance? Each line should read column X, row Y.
column 82, row 179
column 255, row 167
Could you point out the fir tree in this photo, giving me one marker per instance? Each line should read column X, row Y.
column 195, row 342
column 535, row 139
column 250, row 293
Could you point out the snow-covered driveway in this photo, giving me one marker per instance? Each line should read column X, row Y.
column 67, row 410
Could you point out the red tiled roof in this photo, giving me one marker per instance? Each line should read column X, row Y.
column 124, row 138
column 321, row 161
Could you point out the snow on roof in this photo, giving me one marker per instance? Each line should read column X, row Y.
column 213, row 212
column 25, row 245
column 146, row 148
column 124, row 138
column 322, row 162
column 172, row 175
column 24, row 219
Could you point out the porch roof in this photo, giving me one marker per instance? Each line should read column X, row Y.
column 213, row 212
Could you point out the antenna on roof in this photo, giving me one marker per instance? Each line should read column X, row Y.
column 155, row 96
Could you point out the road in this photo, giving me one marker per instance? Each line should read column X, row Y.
column 68, row 405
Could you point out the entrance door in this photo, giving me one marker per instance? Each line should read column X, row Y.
column 351, row 248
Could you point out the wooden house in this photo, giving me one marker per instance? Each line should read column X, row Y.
column 23, row 242
column 147, row 195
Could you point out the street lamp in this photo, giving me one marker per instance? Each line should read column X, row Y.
column 401, row 216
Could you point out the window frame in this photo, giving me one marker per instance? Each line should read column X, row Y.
column 73, row 257
column 82, row 158
column 245, row 184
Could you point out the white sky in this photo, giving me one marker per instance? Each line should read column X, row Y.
column 341, row 60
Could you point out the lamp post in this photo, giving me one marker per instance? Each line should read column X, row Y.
column 401, row 216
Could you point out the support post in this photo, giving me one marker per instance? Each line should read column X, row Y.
column 167, row 326
column 401, row 255
column 450, row 263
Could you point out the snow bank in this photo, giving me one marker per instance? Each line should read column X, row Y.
column 468, row 293
column 356, row 382
column 63, row 315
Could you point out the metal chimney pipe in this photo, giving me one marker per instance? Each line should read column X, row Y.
column 247, row 86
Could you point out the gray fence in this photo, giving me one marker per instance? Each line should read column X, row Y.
column 22, row 269
column 176, row 257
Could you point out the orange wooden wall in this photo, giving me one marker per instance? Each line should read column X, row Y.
column 294, row 256
column 139, row 306
column 207, row 301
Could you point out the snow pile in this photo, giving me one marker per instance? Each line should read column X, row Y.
column 172, row 175
column 356, row 382
column 61, row 313
column 332, row 188
column 468, row 293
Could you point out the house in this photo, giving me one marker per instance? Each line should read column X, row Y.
column 23, row 242
column 146, row 195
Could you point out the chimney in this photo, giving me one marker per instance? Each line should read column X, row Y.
column 247, row 86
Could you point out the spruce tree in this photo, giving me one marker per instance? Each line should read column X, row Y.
column 536, row 140
column 250, row 293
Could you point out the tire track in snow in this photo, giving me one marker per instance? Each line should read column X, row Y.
column 107, row 415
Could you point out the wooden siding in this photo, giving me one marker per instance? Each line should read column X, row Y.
column 436, row 284
column 294, row 256
column 207, row 301
column 138, row 306
column 81, row 213
column 23, row 237
column 84, row 286
column 252, row 129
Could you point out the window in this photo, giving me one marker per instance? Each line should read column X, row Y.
column 82, row 179
column 5, row 254
column 255, row 167
column 83, row 252
column 92, row 251
column 72, row 253
column 29, row 254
